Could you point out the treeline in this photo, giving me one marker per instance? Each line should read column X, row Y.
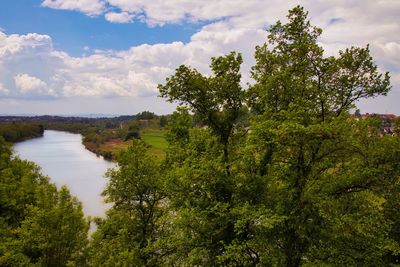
column 16, row 132
column 95, row 131
column 277, row 174
column 50, row 118
column 99, row 132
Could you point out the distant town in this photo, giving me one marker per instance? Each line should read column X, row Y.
column 388, row 123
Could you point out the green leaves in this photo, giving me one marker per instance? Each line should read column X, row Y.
column 56, row 233
column 291, row 73
column 40, row 225
column 217, row 100
column 295, row 188
column 136, row 189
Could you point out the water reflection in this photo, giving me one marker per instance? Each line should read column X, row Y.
column 65, row 160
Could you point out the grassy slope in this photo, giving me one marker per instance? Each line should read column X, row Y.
column 156, row 140
column 153, row 137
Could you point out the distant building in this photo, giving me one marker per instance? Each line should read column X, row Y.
column 387, row 121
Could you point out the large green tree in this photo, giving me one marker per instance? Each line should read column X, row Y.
column 277, row 175
column 201, row 162
column 306, row 183
column 312, row 153
column 217, row 100
column 292, row 73
column 127, row 236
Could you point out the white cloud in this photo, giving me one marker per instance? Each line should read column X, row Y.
column 3, row 90
column 10, row 45
column 89, row 7
column 123, row 17
column 132, row 72
column 388, row 55
column 173, row 11
column 230, row 25
column 26, row 83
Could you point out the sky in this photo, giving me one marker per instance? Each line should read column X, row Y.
column 71, row 57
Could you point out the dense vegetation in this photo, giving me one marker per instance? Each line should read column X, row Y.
column 39, row 225
column 280, row 174
column 103, row 136
column 16, row 132
column 277, row 174
column 107, row 137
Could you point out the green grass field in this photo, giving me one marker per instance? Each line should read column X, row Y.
column 153, row 137
column 156, row 140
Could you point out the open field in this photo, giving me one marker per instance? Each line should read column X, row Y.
column 156, row 140
column 153, row 137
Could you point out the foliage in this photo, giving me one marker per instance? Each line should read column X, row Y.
column 133, row 223
column 163, row 120
column 291, row 72
column 40, row 226
column 145, row 115
column 16, row 132
column 307, row 185
column 217, row 100
column 277, row 175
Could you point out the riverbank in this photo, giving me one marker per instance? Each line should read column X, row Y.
column 110, row 149
column 105, row 137
column 18, row 132
column 62, row 157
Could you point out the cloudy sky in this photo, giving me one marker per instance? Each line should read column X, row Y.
column 107, row 56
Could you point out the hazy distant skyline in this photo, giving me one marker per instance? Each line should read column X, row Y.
column 107, row 56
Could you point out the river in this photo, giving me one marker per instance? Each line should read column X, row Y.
column 65, row 160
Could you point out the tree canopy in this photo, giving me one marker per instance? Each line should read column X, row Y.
column 276, row 173
column 39, row 225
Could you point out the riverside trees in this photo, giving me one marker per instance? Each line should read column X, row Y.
column 313, row 155
column 278, row 174
column 308, row 184
column 39, row 225
column 127, row 236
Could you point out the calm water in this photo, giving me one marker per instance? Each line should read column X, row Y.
column 65, row 160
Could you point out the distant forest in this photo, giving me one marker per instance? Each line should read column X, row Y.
column 276, row 173
column 103, row 136
column 16, row 132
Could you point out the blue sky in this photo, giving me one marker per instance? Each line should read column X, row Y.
column 107, row 56
column 72, row 31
